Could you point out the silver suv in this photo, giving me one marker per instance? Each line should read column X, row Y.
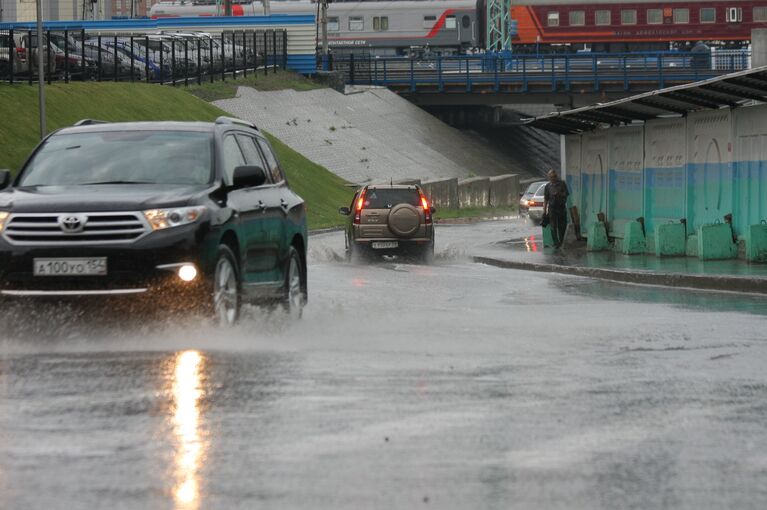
column 389, row 219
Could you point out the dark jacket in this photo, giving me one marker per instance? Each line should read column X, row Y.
column 555, row 194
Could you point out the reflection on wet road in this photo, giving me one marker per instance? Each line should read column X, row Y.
column 187, row 392
column 454, row 385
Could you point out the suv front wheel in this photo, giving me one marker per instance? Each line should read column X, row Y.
column 294, row 291
column 227, row 299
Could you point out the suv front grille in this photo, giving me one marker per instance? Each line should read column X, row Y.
column 47, row 229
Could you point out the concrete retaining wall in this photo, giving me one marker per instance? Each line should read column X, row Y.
column 504, row 191
column 474, row 192
column 442, row 193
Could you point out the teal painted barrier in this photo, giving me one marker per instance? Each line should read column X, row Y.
column 664, row 196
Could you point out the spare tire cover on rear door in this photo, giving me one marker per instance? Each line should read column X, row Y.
column 404, row 220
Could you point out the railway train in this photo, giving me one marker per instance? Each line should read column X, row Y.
column 457, row 26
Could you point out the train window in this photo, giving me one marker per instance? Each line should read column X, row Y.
column 380, row 24
column 333, row 25
column 708, row 15
column 760, row 13
column 734, row 14
column 552, row 19
column 465, row 22
column 602, row 18
column 450, row 23
column 681, row 15
column 654, row 16
column 429, row 21
column 628, row 17
column 356, row 23
column 577, row 18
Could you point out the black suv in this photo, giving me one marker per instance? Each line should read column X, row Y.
column 197, row 214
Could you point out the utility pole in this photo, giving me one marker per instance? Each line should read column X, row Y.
column 40, row 68
column 267, row 8
column 324, row 22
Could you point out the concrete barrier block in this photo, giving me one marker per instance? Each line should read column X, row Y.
column 504, row 191
column 442, row 193
column 597, row 240
column 756, row 243
column 633, row 238
column 715, row 242
column 670, row 240
column 474, row 192
column 691, row 248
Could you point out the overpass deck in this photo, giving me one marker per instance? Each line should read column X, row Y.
column 477, row 79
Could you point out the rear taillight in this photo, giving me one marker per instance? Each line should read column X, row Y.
column 426, row 208
column 358, row 208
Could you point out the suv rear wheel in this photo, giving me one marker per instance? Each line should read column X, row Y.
column 227, row 298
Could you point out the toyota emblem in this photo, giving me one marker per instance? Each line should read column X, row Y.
column 72, row 223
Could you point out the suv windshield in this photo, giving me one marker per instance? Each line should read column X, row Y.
column 145, row 157
column 388, row 198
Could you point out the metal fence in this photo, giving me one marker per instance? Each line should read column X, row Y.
column 164, row 57
column 561, row 71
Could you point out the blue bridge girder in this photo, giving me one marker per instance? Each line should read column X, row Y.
column 492, row 79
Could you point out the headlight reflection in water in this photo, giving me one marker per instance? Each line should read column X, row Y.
column 191, row 446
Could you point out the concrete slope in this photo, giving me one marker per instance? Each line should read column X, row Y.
column 369, row 135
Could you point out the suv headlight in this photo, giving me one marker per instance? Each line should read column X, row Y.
column 166, row 218
column 3, row 216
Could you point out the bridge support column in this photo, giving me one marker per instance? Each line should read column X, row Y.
column 759, row 47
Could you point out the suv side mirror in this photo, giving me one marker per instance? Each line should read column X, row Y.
column 5, row 178
column 248, row 176
column 344, row 211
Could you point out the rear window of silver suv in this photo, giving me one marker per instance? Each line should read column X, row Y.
column 388, row 198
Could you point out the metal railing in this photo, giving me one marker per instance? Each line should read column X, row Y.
column 520, row 73
column 165, row 57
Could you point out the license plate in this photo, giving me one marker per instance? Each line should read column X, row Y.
column 96, row 266
column 382, row 245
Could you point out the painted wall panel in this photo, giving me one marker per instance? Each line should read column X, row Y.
column 710, row 183
column 750, row 167
column 594, row 166
column 625, row 177
column 572, row 162
column 665, row 172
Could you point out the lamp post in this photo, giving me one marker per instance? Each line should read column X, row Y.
column 40, row 67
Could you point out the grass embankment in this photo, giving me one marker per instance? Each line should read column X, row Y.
column 323, row 191
column 473, row 213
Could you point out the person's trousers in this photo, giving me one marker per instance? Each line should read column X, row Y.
column 558, row 221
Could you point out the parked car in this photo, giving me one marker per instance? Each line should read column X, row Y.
column 389, row 219
column 181, row 213
column 24, row 59
column 535, row 204
column 526, row 197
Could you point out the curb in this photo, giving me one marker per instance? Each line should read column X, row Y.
column 722, row 283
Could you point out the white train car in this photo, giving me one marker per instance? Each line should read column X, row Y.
column 382, row 28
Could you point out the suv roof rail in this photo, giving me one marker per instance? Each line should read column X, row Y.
column 234, row 120
column 89, row 122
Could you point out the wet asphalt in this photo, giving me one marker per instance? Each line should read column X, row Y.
column 454, row 385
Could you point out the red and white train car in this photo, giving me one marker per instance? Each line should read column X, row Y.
column 451, row 26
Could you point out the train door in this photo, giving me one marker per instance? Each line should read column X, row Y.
column 466, row 28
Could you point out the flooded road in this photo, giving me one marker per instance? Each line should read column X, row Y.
column 455, row 385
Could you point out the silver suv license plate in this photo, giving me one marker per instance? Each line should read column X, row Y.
column 382, row 245
column 96, row 266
